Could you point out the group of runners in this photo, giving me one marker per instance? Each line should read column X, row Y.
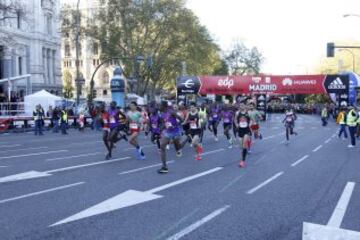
column 181, row 125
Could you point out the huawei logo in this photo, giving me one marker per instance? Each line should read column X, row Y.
column 287, row 82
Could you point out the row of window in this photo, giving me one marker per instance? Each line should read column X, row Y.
column 67, row 49
column 68, row 63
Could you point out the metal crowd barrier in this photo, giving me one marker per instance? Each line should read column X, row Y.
column 23, row 124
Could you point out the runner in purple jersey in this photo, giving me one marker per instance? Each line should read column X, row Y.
column 155, row 124
column 214, row 119
column 228, row 118
column 114, row 128
column 171, row 133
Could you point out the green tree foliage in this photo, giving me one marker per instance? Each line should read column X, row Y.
column 243, row 60
column 222, row 69
column 68, row 89
column 317, row 98
column 163, row 29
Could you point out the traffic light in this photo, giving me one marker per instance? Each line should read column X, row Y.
column 330, row 50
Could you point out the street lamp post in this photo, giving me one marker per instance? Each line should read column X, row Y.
column 79, row 81
column 131, row 80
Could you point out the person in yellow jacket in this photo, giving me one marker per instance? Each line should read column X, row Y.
column 324, row 116
column 352, row 120
column 63, row 120
column 341, row 120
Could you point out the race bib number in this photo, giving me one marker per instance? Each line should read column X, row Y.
column 168, row 125
column 105, row 121
column 289, row 119
column 226, row 120
column 133, row 126
column 154, row 126
column 193, row 125
column 243, row 124
column 215, row 116
column 112, row 120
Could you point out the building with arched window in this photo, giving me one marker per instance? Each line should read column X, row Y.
column 89, row 53
column 30, row 46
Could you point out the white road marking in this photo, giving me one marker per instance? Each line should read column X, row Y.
column 3, row 166
column 339, row 212
column 133, row 148
column 143, row 168
column 317, row 149
column 35, row 174
column 10, row 146
column 33, row 154
column 86, row 165
column 178, row 223
column 41, row 192
column 299, row 161
column 332, row 230
column 23, row 149
column 253, row 190
column 198, row 224
column 269, row 137
column 231, row 183
column 211, row 152
column 129, row 198
column 187, row 179
column 327, row 141
column 71, row 157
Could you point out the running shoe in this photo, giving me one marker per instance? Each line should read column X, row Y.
column 242, row 164
column 199, row 150
column 168, row 147
column 198, row 157
column 351, row 146
column 108, row 157
column 163, row 170
column 216, row 139
column 260, row 136
column 141, row 154
column 179, row 153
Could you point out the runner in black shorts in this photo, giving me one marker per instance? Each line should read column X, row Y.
column 195, row 128
column 243, row 125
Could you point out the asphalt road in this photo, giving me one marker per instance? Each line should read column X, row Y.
column 60, row 187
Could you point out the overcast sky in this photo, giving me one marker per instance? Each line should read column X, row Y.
column 292, row 34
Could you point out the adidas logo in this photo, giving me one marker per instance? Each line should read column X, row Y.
column 337, row 84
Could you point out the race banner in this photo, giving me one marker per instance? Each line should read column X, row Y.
column 287, row 84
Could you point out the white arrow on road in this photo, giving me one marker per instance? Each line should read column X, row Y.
column 332, row 230
column 130, row 198
column 36, row 174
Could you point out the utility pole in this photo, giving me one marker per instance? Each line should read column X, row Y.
column 79, row 81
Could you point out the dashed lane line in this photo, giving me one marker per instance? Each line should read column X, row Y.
column 198, row 224
column 40, row 192
column 263, row 184
column 33, row 154
column 318, row 148
column 299, row 161
column 143, row 168
column 71, row 157
column 23, row 149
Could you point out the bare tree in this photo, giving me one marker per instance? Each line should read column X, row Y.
column 10, row 10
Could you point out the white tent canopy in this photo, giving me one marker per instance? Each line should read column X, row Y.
column 42, row 97
column 139, row 100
